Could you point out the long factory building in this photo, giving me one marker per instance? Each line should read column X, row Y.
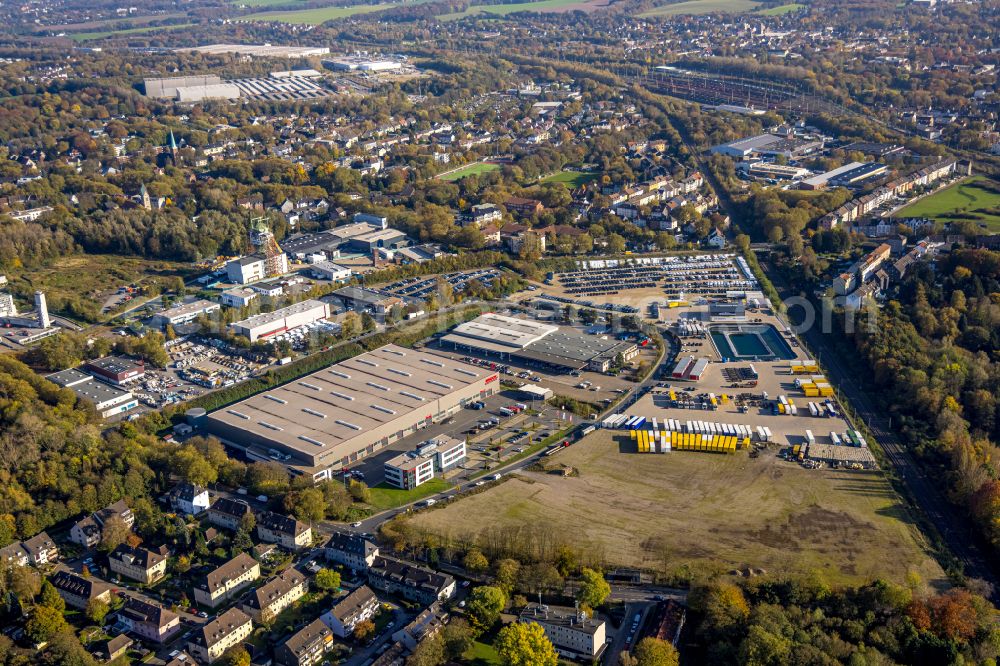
column 330, row 419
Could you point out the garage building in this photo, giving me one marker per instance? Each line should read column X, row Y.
column 328, row 420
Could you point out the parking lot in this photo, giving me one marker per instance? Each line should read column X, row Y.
column 422, row 287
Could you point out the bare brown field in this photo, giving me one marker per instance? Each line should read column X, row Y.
column 705, row 513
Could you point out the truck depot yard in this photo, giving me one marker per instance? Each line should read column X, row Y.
column 698, row 512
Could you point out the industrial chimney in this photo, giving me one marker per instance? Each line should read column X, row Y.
column 42, row 309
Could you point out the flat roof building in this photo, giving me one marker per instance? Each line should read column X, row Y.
column 768, row 144
column 285, row 319
column 535, row 342
column 435, row 456
column 107, row 400
column 330, row 419
column 181, row 314
column 116, row 370
column 572, row 633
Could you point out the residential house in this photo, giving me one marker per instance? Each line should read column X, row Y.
column 189, row 499
column 306, row 647
column 410, row 581
column 138, row 564
column 427, row 623
column 87, row 532
column 283, row 530
column 149, row 621
column 40, row 549
column 14, row 555
column 228, row 513
column 519, row 206
column 229, row 629
column 78, row 591
column 352, row 550
column 113, row 648
column 226, row 581
column 350, row 611
column 267, row 601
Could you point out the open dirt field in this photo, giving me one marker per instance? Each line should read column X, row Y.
column 705, row 512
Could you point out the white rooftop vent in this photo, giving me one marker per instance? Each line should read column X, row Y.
column 378, row 386
column 430, row 362
column 348, row 425
column 314, row 412
column 276, row 399
column 404, row 373
column 310, row 386
column 342, row 396
column 311, row 440
column 441, row 384
column 385, row 410
column 239, row 414
column 396, row 352
column 470, row 373
column 269, row 426
column 343, row 375
column 367, row 362
column 412, row 395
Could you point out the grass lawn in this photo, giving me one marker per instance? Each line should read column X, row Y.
column 505, row 9
column 703, row 7
column 703, row 513
column 385, row 496
column 476, row 169
column 320, row 15
column 87, row 36
column 961, row 201
column 782, row 9
column 482, row 654
column 572, row 179
column 264, row 3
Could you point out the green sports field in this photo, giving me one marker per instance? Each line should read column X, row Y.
column 474, row 169
column 570, row 178
column 703, row 7
column 967, row 200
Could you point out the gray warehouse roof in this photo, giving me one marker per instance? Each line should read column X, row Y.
column 333, row 412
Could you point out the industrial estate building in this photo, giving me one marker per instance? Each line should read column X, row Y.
column 107, row 400
column 537, row 343
column 433, row 457
column 272, row 323
column 182, row 314
column 328, row 420
column 769, row 145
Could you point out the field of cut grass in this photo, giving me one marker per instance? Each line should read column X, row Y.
column 264, row 3
column 782, row 9
column 570, row 178
column 703, row 7
column 540, row 6
column 474, row 169
column 384, row 496
column 704, row 513
column 319, row 15
column 967, row 200
column 87, row 36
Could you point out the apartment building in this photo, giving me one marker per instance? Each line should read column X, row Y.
column 78, row 591
column 227, row 581
column 351, row 550
column 138, row 564
column 149, row 621
column 267, row 601
column 87, row 532
column 573, row 634
column 306, row 647
column 228, row 513
column 189, row 499
column 410, row 581
column 350, row 611
column 283, row 530
column 229, row 629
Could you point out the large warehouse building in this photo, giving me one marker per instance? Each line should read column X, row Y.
column 328, row 420
column 538, row 343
